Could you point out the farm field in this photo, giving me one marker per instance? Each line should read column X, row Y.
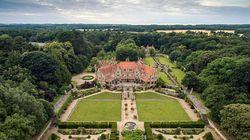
column 154, row 107
column 102, row 107
column 175, row 71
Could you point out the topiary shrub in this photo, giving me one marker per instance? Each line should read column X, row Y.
column 159, row 137
column 208, row 136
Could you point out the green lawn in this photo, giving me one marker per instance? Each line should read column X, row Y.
column 149, row 61
column 102, row 107
column 155, row 107
column 175, row 71
column 165, row 78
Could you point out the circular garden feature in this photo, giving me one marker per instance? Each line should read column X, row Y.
column 88, row 77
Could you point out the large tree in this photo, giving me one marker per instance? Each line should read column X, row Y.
column 235, row 118
column 127, row 50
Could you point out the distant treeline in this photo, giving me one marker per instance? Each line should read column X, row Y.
column 126, row 27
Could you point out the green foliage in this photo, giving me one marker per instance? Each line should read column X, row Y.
column 208, row 136
column 197, row 124
column 160, row 82
column 191, row 80
column 127, row 50
column 235, row 119
column 132, row 135
column 53, row 136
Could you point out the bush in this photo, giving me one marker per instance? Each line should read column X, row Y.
column 160, row 137
column 208, row 136
column 103, row 137
column 54, row 137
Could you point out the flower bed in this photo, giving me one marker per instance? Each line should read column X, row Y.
column 88, row 77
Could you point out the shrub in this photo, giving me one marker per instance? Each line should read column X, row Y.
column 54, row 137
column 103, row 137
column 148, row 131
column 208, row 136
column 160, row 137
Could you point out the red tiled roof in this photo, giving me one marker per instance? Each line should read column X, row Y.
column 109, row 70
column 127, row 65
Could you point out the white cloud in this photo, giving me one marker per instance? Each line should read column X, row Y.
column 126, row 11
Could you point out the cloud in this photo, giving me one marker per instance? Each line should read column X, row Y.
column 125, row 11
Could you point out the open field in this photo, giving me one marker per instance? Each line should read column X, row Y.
column 149, row 61
column 196, row 31
column 155, row 107
column 175, row 71
column 103, row 107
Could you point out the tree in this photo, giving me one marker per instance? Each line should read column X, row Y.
column 152, row 51
column 235, row 118
column 18, row 127
column 198, row 60
column 44, row 68
column 127, row 50
column 6, row 43
column 191, row 80
column 160, row 82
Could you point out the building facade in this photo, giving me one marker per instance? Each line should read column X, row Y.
column 115, row 75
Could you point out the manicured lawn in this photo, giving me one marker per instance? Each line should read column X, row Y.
column 165, row 78
column 149, row 61
column 155, row 107
column 102, row 107
column 175, row 71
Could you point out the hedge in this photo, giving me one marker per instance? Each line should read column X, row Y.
column 208, row 136
column 197, row 124
column 148, row 131
column 88, row 92
column 74, row 125
column 65, row 105
column 149, row 125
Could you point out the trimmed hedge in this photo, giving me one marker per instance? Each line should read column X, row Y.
column 197, row 124
column 149, row 125
column 208, row 136
column 148, row 131
column 114, row 132
column 75, row 125
column 88, row 92
column 65, row 105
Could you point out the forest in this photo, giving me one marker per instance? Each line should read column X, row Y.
column 217, row 68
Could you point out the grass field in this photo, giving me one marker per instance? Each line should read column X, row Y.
column 149, row 61
column 175, row 71
column 155, row 107
column 102, row 107
column 165, row 78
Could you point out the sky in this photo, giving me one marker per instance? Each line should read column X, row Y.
column 126, row 11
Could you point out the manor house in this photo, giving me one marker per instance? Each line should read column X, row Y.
column 115, row 75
